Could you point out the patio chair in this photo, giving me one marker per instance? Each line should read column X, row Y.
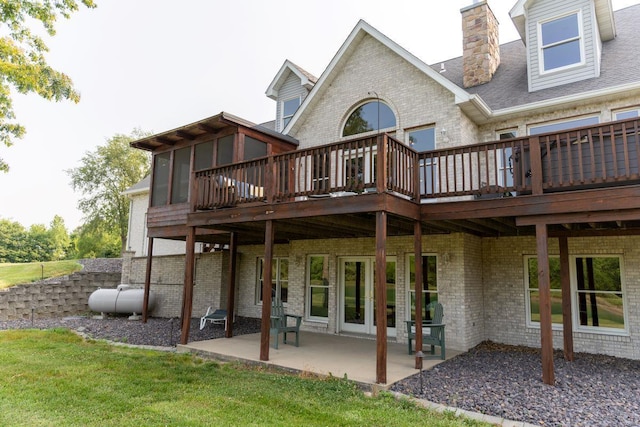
column 432, row 330
column 280, row 324
column 217, row 316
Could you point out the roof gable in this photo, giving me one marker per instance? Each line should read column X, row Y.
column 307, row 79
column 362, row 28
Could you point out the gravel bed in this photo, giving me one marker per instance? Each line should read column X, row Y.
column 506, row 381
column 156, row 332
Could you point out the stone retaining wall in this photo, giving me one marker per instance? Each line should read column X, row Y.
column 66, row 298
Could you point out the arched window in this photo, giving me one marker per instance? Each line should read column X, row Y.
column 373, row 115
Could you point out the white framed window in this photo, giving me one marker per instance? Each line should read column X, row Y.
column 429, row 283
column 318, row 287
column 560, row 125
column 561, row 42
column 279, row 279
column 597, row 293
column 424, row 139
column 505, row 158
column 289, row 108
column 627, row 113
column 369, row 116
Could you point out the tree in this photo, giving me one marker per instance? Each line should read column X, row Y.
column 93, row 240
column 13, row 238
column 104, row 175
column 59, row 239
column 23, row 66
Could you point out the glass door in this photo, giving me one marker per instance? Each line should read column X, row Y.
column 357, row 312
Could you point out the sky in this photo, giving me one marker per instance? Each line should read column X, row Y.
column 157, row 64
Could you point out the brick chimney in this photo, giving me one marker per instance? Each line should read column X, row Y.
column 481, row 48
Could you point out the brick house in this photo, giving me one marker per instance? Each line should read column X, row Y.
column 506, row 182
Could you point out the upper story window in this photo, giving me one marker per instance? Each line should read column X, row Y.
column 423, row 139
column 561, row 43
column 627, row 114
column 563, row 125
column 289, row 108
column 370, row 116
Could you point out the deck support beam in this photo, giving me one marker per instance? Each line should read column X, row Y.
column 565, row 281
column 231, row 285
column 147, row 282
column 381, row 297
column 187, row 300
column 417, row 250
column 265, row 325
column 544, row 288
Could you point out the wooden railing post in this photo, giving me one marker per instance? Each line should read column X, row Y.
column 270, row 180
column 536, row 165
column 193, row 192
column 381, row 174
column 416, row 177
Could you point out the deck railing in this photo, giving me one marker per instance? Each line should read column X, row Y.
column 579, row 158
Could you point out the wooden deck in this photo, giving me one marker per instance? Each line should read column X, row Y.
column 490, row 189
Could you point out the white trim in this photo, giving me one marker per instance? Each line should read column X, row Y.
column 580, row 38
column 615, row 112
column 278, row 80
column 569, row 99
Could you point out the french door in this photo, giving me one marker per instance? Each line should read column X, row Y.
column 358, row 296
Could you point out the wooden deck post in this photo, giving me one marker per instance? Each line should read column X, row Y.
column 565, row 281
column 265, row 326
column 187, row 302
column 381, row 297
column 231, row 285
column 147, row 282
column 546, row 337
column 536, row 165
column 417, row 250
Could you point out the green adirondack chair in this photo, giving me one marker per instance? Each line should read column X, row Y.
column 280, row 323
column 432, row 330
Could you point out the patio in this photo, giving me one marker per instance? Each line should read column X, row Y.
column 321, row 354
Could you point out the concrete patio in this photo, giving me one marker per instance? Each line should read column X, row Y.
column 320, row 354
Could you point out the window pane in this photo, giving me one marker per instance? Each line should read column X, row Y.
column 603, row 310
column 203, row 156
column 556, row 306
column 365, row 118
column 423, row 139
column 180, row 187
column 560, row 29
column 319, row 302
column 627, row 115
column 554, row 273
column 160, row 192
column 254, row 148
column 318, row 271
column 553, row 127
column 562, row 55
column 289, row 107
column 225, row 150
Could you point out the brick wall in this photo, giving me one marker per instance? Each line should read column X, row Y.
column 167, row 279
column 69, row 297
column 505, row 300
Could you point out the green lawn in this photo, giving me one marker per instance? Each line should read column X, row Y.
column 54, row 378
column 14, row 274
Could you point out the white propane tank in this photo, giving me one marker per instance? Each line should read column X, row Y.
column 123, row 299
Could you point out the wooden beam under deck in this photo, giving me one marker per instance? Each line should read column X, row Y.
column 602, row 199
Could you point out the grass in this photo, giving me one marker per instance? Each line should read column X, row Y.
column 54, row 378
column 14, row 274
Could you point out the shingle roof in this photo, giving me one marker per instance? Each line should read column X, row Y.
column 509, row 86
